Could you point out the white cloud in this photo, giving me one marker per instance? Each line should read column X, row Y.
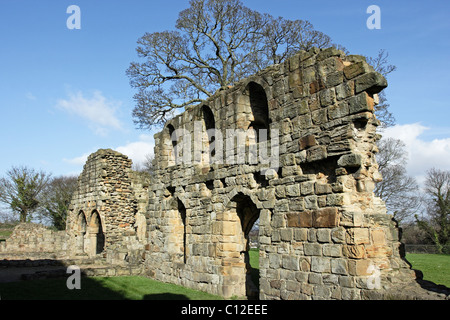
column 137, row 151
column 77, row 161
column 99, row 112
column 30, row 96
column 422, row 154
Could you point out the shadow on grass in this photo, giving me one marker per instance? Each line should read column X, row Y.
column 165, row 296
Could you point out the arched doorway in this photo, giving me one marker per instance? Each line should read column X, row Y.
column 239, row 276
column 96, row 235
column 80, row 233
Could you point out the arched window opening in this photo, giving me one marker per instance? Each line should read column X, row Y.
column 260, row 110
column 209, row 127
column 170, row 145
column 182, row 216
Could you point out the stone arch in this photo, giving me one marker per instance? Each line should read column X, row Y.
column 177, row 245
column 96, row 234
column 80, row 232
column 182, row 216
column 169, row 144
column 209, row 134
column 256, row 101
column 241, row 212
column 240, row 190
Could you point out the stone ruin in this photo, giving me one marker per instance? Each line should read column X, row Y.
column 307, row 171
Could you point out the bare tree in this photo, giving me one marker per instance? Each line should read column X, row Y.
column 437, row 223
column 146, row 165
column 381, row 64
column 21, row 188
column 398, row 190
column 217, row 42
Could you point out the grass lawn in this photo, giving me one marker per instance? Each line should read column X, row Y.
column 100, row 288
column 435, row 267
column 5, row 231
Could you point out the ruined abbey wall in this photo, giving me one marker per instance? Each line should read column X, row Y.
column 292, row 147
column 322, row 232
column 106, row 214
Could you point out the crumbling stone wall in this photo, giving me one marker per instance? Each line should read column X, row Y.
column 322, row 232
column 106, row 209
column 293, row 146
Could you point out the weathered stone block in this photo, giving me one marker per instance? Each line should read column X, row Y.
column 326, row 218
column 338, row 110
column 311, row 202
column 345, row 90
column 334, row 79
column 316, row 153
column 338, row 235
column 316, row 86
column 354, row 251
column 286, row 234
column 293, row 190
column 299, row 219
column 360, row 103
column 319, row 117
column 322, row 188
column 356, row 69
column 323, row 235
column 291, row 262
column 307, row 188
column 308, row 141
column 327, row 97
column 358, row 236
column 300, row 234
column 359, row 267
column 378, row 237
column 350, row 161
column 372, row 82
column 313, row 249
column 339, row 266
column 320, row 264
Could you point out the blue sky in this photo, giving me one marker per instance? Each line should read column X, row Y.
column 64, row 93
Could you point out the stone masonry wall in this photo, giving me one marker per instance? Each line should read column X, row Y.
column 293, row 146
column 103, row 213
column 323, row 234
column 34, row 238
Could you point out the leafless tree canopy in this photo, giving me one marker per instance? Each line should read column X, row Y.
column 215, row 44
column 399, row 191
column 437, row 222
column 381, row 64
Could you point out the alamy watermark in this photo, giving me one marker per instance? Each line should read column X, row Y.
column 74, row 280
column 74, row 20
column 374, row 280
column 374, row 20
column 233, row 146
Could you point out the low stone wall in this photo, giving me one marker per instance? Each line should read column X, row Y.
column 30, row 238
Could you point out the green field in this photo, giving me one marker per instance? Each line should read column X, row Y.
column 436, row 268
column 99, row 288
column 5, row 230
